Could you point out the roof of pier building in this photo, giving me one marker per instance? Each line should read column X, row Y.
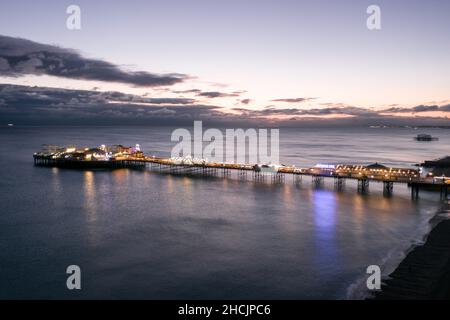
column 376, row 165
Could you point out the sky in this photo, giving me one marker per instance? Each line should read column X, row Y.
column 276, row 61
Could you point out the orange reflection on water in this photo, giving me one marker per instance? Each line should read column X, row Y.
column 89, row 194
column 56, row 183
column 186, row 181
column 170, row 184
column 287, row 196
column 120, row 175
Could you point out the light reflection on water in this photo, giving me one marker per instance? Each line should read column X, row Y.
column 90, row 202
column 324, row 203
column 147, row 235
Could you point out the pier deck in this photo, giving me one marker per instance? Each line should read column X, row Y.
column 340, row 173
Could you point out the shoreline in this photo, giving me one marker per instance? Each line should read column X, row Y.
column 424, row 274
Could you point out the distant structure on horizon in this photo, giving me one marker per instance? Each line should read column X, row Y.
column 425, row 137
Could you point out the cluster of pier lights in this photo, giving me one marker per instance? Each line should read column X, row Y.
column 340, row 173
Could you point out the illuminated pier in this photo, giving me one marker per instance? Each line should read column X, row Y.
column 131, row 157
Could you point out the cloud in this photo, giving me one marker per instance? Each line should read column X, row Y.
column 41, row 105
column 342, row 110
column 445, row 108
column 19, row 57
column 418, row 109
column 217, row 94
column 272, row 111
column 187, row 91
column 162, row 111
column 293, row 100
column 209, row 94
column 115, row 96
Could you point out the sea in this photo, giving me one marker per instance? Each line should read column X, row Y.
column 142, row 234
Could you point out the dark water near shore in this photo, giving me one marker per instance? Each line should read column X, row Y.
column 139, row 234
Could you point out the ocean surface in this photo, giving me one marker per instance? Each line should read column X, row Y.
column 142, row 234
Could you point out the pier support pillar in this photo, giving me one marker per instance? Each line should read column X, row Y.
column 388, row 188
column 242, row 174
column 258, row 176
column 317, row 181
column 414, row 191
column 225, row 172
column 297, row 178
column 339, row 183
column 444, row 192
column 363, row 185
column 277, row 178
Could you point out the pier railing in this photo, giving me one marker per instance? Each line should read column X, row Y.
column 362, row 174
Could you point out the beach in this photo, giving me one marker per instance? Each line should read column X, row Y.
column 425, row 272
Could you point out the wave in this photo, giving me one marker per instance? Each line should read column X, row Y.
column 358, row 289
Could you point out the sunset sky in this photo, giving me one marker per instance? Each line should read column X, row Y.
column 268, row 60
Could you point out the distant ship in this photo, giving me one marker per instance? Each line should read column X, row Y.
column 10, row 125
column 425, row 137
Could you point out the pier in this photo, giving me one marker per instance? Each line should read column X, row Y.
column 363, row 175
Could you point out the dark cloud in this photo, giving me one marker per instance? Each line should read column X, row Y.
column 294, row 100
column 419, row 108
column 19, row 57
column 40, row 105
column 344, row 110
column 209, row 94
column 423, row 108
column 115, row 96
column 187, row 91
column 217, row 94
column 445, row 108
column 272, row 111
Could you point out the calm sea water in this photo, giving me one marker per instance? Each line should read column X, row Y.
column 140, row 234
